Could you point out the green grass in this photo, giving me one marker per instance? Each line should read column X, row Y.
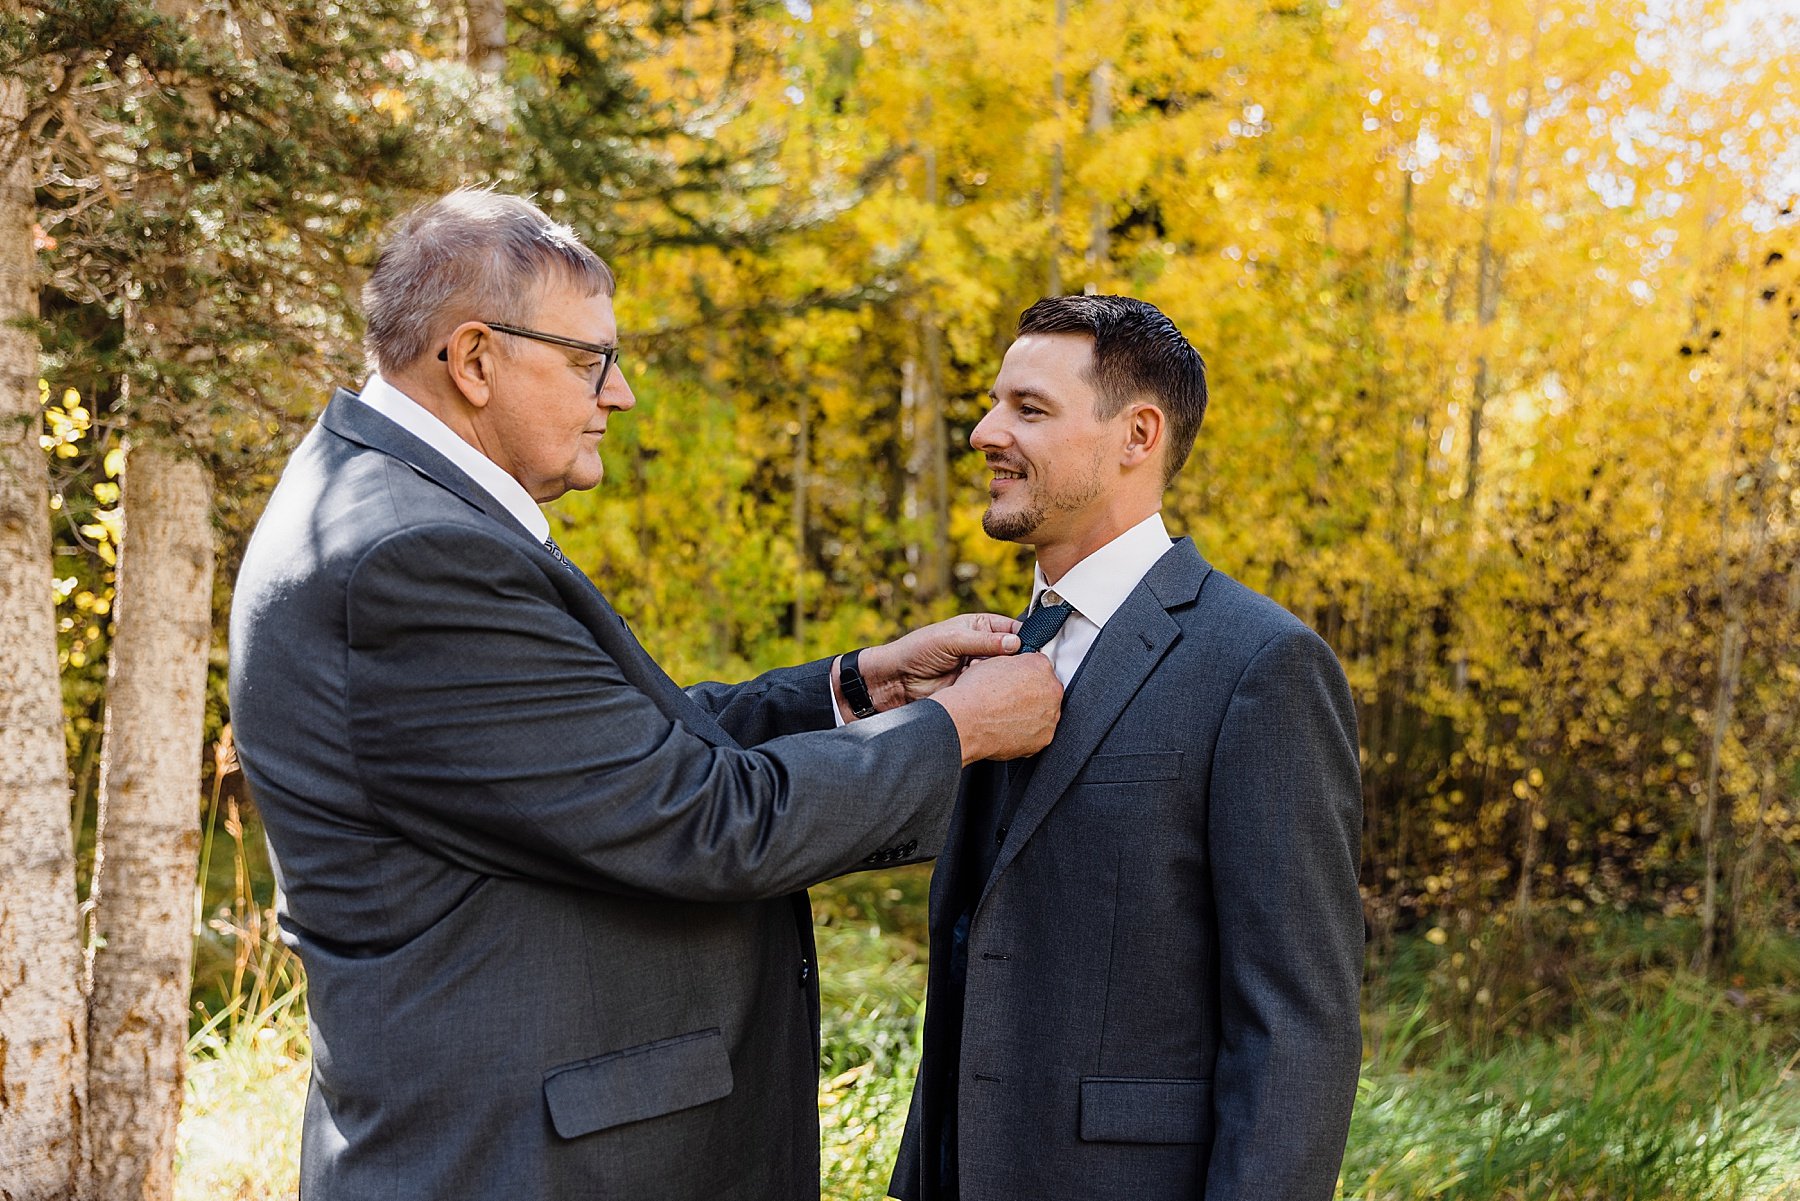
column 872, row 948
column 1673, row 1097
column 1603, row 1075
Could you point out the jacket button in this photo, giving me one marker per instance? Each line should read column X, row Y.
column 805, row 972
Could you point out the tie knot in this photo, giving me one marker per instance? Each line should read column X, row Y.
column 1041, row 626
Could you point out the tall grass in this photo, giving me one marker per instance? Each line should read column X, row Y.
column 240, row 1126
column 1668, row 1097
column 239, row 1138
column 872, row 948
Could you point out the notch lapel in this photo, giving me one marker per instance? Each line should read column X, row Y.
column 351, row 419
column 1130, row 646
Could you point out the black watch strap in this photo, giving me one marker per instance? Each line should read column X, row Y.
column 850, row 682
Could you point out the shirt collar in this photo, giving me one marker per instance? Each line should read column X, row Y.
column 424, row 425
column 1099, row 584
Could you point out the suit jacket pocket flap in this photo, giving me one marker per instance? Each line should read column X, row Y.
column 637, row 1083
column 1119, row 1110
column 1128, row 769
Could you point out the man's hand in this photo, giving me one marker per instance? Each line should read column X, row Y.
column 930, row 658
column 1004, row 708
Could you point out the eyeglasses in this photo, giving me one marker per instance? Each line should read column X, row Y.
column 609, row 355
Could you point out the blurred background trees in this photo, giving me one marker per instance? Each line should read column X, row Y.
column 1500, row 302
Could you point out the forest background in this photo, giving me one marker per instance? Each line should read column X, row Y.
column 1501, row 307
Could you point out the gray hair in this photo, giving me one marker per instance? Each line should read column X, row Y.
column 474, row 255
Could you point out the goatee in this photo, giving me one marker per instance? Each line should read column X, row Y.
column 1011, row 526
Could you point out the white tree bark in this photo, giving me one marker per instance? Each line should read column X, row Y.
column 149, row 823
column 485, row 42
column 1100, row 119
column 43, row 1079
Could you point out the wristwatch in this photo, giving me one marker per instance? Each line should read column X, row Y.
column 856, row 692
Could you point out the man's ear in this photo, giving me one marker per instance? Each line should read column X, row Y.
column 470, row 357
column 1144, row 430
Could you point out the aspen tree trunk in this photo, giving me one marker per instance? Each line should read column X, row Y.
column 43, row 1033
column 484, row 44
column 934, row 570
column 1716, row 828
column 149, row 834
column 802, row 477
column 1531, row 841
column 1713, row 830
column 1488, row 261
column 1099, row 122
column 1487, row 306
column 1053, row 275
column 930, row 461
column 1782, row 732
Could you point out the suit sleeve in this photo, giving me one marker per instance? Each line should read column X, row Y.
column 788, row 700
column 1285, row 832
column 488, row 725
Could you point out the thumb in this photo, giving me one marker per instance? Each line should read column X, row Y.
column 981, row 644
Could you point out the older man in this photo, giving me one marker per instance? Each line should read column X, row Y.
column 551, row 906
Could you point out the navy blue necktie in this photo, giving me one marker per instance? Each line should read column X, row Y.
column 1041, row 626
column 550, row 545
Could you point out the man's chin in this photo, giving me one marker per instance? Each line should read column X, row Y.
column 583, row 476
column 1003, row 526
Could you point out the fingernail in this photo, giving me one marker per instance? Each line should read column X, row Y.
column 1009, row 642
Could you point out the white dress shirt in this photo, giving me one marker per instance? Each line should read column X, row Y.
column 1097, row 586
column 424, row 425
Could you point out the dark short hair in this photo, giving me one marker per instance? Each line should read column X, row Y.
column 474, row 255
column 1138, row 354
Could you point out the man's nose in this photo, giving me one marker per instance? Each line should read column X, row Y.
column 615, row 392
column 989, row 433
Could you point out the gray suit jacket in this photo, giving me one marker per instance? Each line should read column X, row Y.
column 1164, row 965
column 549, row 905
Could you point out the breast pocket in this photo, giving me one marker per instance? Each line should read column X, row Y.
column 1142, row 767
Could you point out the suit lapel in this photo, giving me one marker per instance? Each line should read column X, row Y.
column 355, row 421
column 1130, row 646
column 350, row 418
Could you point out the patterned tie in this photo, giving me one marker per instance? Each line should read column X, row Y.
column 550, row 545
column 1041, row 626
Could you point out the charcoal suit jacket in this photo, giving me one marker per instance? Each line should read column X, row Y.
column 1163, row 964
column 550, row 905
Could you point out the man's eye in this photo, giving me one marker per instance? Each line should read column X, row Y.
column 1029, row 410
